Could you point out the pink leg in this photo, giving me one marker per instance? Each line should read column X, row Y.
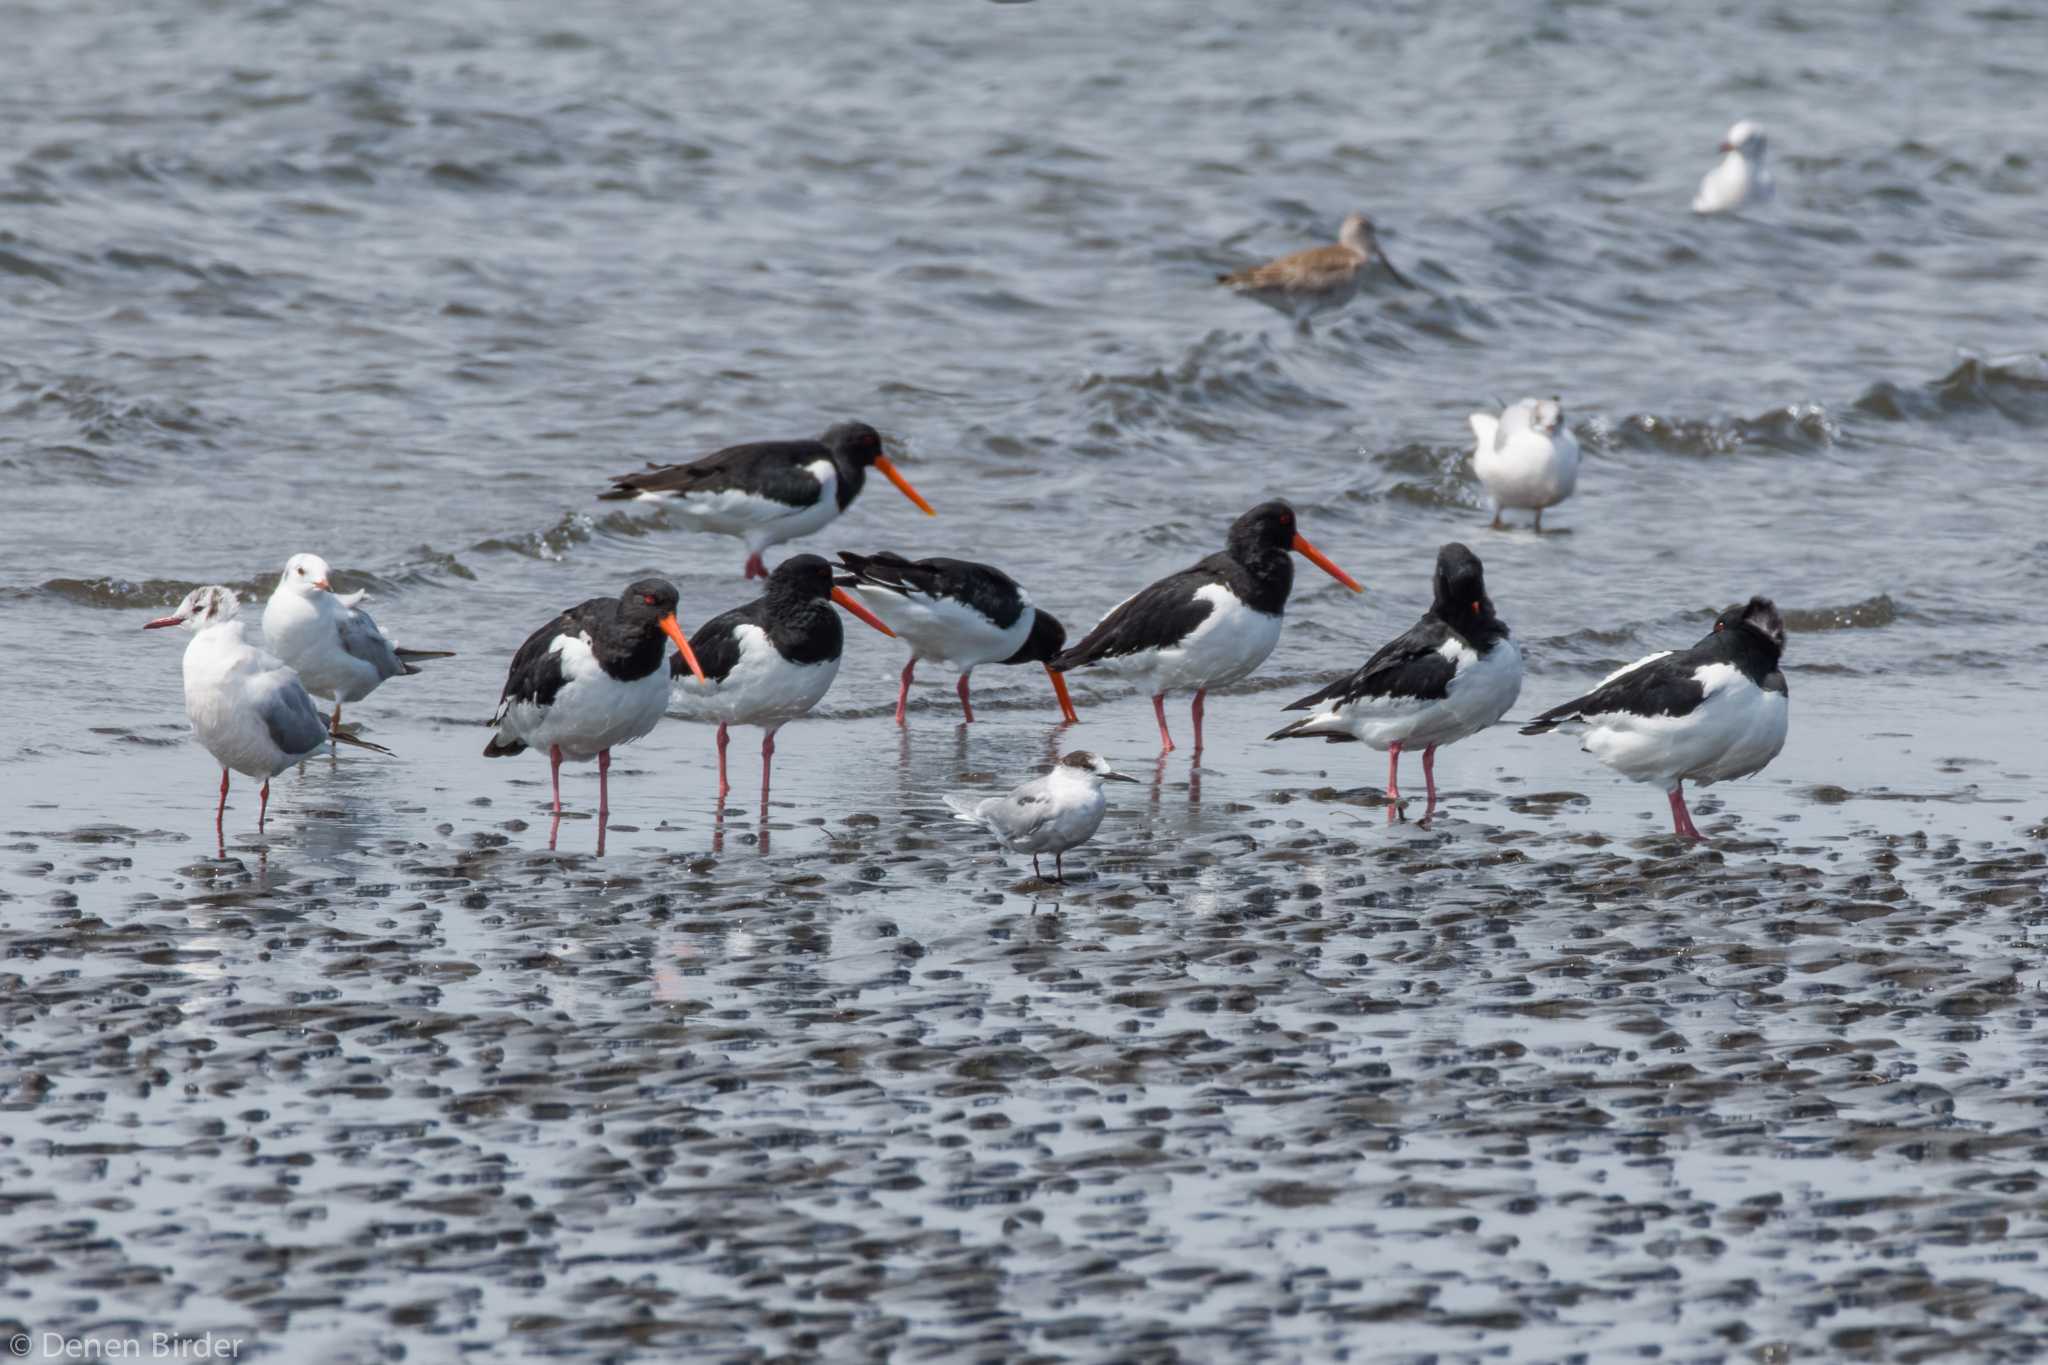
column 767, row 753
column 1159, row 710
column 723, row 740
column 1201, row 694
column 555, row 771
column 903, row 692
column 220, row 812
column 263, row 808
column 604, row 786
column 1393, row 781
column 965, row 705
column 1681, row 818
column 755, row 568
column 1429, row 779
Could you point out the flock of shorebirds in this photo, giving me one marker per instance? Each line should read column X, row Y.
column 600, row 674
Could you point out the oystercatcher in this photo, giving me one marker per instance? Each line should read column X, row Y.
column 336, row 649
column 591, row 680
column 767, row 492
column 1710, row 713
column 1208, row 625
column 1450, row 675
column 772, row 660
column 1049, row 814
column 1740, row 176
column 246, row 707
column 1319, row 279
column 1526, row 457
column 957, row 613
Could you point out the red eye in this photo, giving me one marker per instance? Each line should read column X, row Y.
column 648, row 598
column 1717, row 627
column 1475, row 606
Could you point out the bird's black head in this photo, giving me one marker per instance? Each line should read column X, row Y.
column 1269, row 526
column 855, row 442
column 1047, row 638
column 1460, row 586
column 650, row 599
column 801, row 577
column 1759, row 617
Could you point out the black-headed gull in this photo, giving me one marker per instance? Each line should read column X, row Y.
column 333, row 645
column 1450, row 675
column 246, row 707
column 590, row 680
column 1319, row 279
column 1707, row 714
column 1049, row 814
column 1740, row 176
column 1210, row 624
column 959, row 614
column 771, row 660
column 1527, row 457
column 767, row 492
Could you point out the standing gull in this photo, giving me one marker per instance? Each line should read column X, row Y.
column 1710, row 713
column 1049, row 814
column 1526, row 457
column 767, row 492
column 959, row 614
column 1740, row 176
column 1450, row 675
column 1210, row 624
column 591, row 680
column 246, row 707
column 337, row 650
column 1319, row 279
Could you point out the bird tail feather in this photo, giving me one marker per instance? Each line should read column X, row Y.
column 964, row 808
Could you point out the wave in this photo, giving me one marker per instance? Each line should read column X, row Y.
column 2012, row 386
column 1801, row 428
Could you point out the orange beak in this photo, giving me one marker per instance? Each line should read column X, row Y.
column 1322, row 561
column 323, row 585
column 674, row 630
column 163, row 621
column 859, row 612
column 1059, row 688
column 895, row 476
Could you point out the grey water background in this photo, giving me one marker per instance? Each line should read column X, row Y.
column 401, row 285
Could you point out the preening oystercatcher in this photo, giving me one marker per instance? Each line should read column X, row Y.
column 333, row 645
column 591, row 680
column 1710, row 713
column 1210, row 624
column 767, row 492
column 1049, row 814
column 959, row 614
column 1526, row 457
column 246, row 707
column 1451, row 674
column 772, row 660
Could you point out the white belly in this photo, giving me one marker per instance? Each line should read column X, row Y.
column 308, row 642
column 1531, row 471
column 945, row 632
column 1481, row 693
column 763, row 688
column 593, row 711
column 1734, row 732
column 1227, row 646
column 759, row 521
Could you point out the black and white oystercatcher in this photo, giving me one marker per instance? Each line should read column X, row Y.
column 336, row 649
column 766, row 492
column 1710, row 713
column 1208, row 625
column 246, row 707
column 959, row 614
column 772, row 660
column 1450, row 675
column 591, row 680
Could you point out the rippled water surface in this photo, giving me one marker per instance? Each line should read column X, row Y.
column 1273, row 1079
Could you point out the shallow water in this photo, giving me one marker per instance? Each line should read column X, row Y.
column 1273, row 1079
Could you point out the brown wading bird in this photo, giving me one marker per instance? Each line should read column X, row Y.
column 1319, row 279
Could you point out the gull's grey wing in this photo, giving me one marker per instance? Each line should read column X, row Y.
column 295, row 724
column 361, row 638
column 1021, row 813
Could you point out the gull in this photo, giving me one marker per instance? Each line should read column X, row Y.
column 333, row 645
column 1739, row 177
column 1526, row 457
column 1049, row 814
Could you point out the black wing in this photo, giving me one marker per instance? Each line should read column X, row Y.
column 717, row 643
column 767, row 469
column 1160, row 616
column 536, row 672
column 983, row 588
column 1411, row 664
column 1657, row 685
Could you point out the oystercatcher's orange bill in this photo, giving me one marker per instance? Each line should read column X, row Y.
column 895, row 476
column 1322, row 561
column 1059, row 688
column 674, row 630
column 852, row 604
